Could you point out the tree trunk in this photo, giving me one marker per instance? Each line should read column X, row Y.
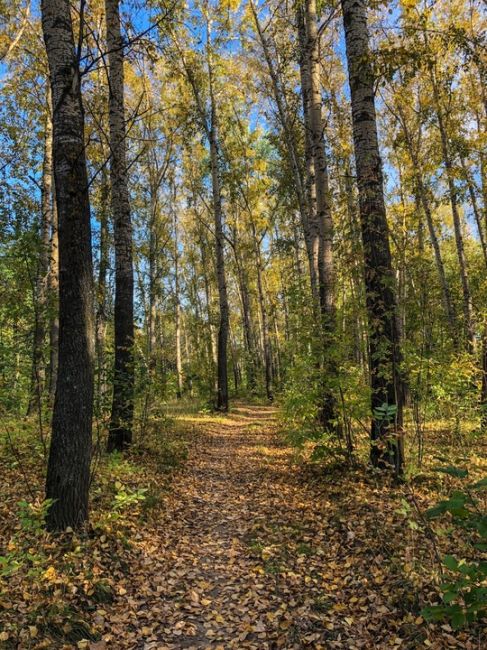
column 266, row 344
column 222, row 366
column 475, row 208
column 179, row 363
column 386, row 398
column 53, row 291
column 68, row 471
column 38, row 374
column 291, row 150
column 120, row 433
column 323, row 215
column 310, row 184
column 457, row 222
column 246, row 316
column 101, row 317
column 211, row 338
column 421, row 193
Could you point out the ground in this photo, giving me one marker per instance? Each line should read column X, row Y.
column 240, row 547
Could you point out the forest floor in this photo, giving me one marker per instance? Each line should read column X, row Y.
column 239, row 547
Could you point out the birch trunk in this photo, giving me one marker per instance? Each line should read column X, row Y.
column 310, row 183
column 68, row 471
column 120, row 432
column 38, row 374
column 323, row 214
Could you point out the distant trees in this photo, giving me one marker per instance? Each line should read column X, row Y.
column 233, row 235
column 68, row 471
column 207, row 111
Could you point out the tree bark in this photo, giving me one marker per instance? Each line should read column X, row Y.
column 222, row 365
column 475, row 208
column 266, row 343
column 68, row 471
column 312, row 234
column 120, row 432
column 386, row 394
column 38, row 374
column 177, row 315
column 53, row 291
column 242, row 281
column 101, row 318
column 323, row 215
column 209, row 119
column 457, row 222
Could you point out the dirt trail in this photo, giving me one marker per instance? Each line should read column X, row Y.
column 249, row 554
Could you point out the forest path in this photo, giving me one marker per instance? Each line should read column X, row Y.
column 249, row 553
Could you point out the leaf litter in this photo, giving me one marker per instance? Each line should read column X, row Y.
column 243, row 549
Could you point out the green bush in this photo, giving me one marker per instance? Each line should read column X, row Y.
column 465, row 594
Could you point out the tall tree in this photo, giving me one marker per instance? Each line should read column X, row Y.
column 386, row 399
column 120, row 433
column 208, row 116
column 68, row 471
column 314, row 125
column 38, row 376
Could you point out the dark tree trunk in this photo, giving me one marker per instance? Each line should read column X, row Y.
column 386, row 397
column 213, row 137
column 120, row 434
column 68, row 471
column 222, row 370
column 53, row 291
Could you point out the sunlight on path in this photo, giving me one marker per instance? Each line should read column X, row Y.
column 252, row 555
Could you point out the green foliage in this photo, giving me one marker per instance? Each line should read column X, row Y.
column 32, row 516
column 465, row 594
column 300, row 407
column 126, row 497
column 21, row 552
column 445, row 385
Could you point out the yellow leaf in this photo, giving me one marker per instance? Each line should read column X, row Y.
column 50, row 574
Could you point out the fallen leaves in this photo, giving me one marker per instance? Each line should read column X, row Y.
column 244, row 550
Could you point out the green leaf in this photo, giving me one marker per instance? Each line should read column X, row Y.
column 437, row 510
column 457, row 472
column 450, row 562
column 457, row 619
column 480, row 484
column 449, row 596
